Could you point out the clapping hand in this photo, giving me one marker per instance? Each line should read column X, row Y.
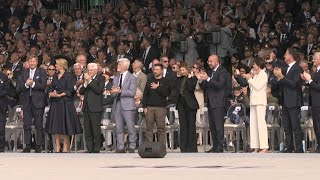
column 155, row 85
column 278, row 73
column 29, row 82
column 247, row 76
column 306, row 76
column 87, row 77
column 79, row 83
column 53, row 94
column 115, row 90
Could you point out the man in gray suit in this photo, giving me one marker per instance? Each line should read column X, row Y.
column 124, row 89
column 137, row 66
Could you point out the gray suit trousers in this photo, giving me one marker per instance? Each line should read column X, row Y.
column 123, row 117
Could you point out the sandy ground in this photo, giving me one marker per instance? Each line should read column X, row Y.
column 173, row 166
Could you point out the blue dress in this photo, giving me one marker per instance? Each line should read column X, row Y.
column 62, row 116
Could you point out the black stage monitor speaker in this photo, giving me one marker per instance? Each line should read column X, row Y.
column 152, row 150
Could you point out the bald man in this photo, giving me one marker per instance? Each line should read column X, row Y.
column 216, row 85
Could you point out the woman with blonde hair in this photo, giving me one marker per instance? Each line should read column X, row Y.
column 62, row 117
column 187, row 106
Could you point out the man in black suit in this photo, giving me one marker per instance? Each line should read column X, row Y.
column 92, row 90
column 4, row 91
column 58, row 24
column 216, row 86
column 148, row 54
column 314, row 88
column 92, row 55
column 290, row 83
column 15, row 65
column 32, row 85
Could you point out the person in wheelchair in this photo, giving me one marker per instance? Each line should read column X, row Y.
column 240, row 96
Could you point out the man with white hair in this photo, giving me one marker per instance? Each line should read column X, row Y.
column 124, row 89
column 314, row 86
column 82, row 59
column 92, row 90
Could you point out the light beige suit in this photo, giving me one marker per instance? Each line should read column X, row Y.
column 141, row 81
column 198, row 92
column 258, row 103
column 141, row 84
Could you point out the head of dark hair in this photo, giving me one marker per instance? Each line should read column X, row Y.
column 294, row 52
column 158, row 64
column 148, row 39
column 259, row 62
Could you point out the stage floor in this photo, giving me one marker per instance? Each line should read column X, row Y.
column 174, row 166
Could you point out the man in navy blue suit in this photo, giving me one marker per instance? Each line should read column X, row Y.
column 32, row 84
column 4, row 91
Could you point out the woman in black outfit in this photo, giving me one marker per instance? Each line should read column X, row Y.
column 187, row 106
column 62, row 116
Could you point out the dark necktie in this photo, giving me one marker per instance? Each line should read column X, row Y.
column 213, row 71
column 78, row 78
column 14, row 67
column 120, row 82
column 120, row 86
column 31, row 75
column 144, row 55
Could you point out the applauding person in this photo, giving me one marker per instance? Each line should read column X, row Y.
column 258, row 101
column 62, row 116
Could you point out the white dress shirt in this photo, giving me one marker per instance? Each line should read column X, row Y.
column 290, row 65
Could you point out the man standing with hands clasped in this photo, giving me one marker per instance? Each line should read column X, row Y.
column 92, row 90
column 290, row 83
column 32, row 84
column 314, row 87
column 216, row 86
column 124, row 89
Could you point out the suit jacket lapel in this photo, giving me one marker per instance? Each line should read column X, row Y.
column 215, row 73
column 125, row 80
column 35, row 74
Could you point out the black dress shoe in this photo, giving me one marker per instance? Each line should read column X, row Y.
column 286, row 150
column 1, row 150
column 218, row 150
column 38, row 149
column 88, row 151
column 130, row 150
column 211, row 150
column 26, row 150
column 299, row 151
column 95, row 151
column 120, row 151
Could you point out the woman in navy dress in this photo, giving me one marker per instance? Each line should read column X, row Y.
column 62, row 116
